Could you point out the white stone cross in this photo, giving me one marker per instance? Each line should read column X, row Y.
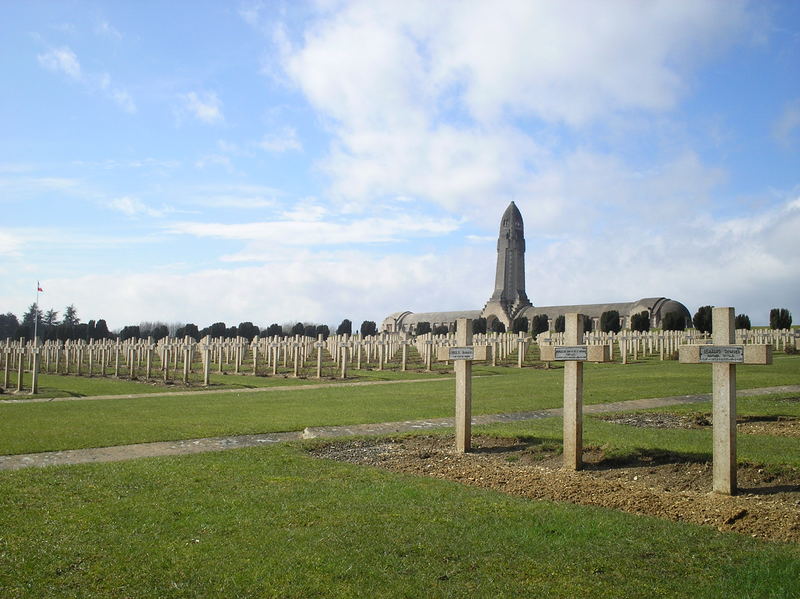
column 319, row 345
column 463, row 355
column 723, row 356
column 573, row 356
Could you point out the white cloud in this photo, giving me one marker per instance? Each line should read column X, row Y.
column 312, row 232
column 324, row 288
column 10, row 243
column 130, row 206
column 62, row 60
column 787, row 124
column 284, row 140
column 424, row 100
column 65, row 61
column 234, row 196
column 124, row 100
column 205, row 107
column 106, row 29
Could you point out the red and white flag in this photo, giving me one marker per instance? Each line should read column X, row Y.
column 39, row 287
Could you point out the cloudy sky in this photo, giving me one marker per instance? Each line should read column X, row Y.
column 282, row 161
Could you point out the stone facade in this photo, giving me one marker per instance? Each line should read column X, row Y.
column 509, row 300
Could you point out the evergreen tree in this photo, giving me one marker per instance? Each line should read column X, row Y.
column 520, row 325
column 779, row 318
column 368, row 327
column 441, row 330
column 641, row 321
column 498, row 327
column 673, row 321
column 345, row 328
column 274, row 330
column 298, row 329
column 248, row 330
column 702, row 319
column 742, row 321
column 588, row 324
column 159, row 332
column 323, row 330
column 479, row 326
column 560, row 324
column 609, row 322
column 539, row 324
column 423, row 328
column 70, row 316
column 8, row 325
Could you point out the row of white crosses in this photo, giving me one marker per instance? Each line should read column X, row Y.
column 722, row 353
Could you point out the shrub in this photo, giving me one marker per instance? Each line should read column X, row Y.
column 588, row 324
column 702, row 319
column 560, row 324
column 423, row 328
column 442, row 329
column 641, row 321
column 345, row 328
column 539, row 324
column 609, row 322
column 780, row 318
column 742, row 321
column 273, row 330
column 673, row 321
column 498, row 327
column 368, row 327
column 479, row 325
column 520, row 325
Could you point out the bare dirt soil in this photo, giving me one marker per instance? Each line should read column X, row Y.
column 664, row 485
column 782, row 426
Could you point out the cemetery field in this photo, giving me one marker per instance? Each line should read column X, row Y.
column 52, row 385
column 294, row 520
column 275, row 522
column 49, row 426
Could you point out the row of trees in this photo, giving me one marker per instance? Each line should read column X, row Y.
column 69, row 327
column 779, row 318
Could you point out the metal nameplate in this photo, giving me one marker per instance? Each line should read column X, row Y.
column 729, row 354
column 566, row 353
column 461, row 353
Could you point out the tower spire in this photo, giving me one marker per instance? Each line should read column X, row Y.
column 509, row 295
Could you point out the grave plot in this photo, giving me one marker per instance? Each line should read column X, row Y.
column 669, row 486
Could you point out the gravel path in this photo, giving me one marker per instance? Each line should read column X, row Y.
column 189, row 446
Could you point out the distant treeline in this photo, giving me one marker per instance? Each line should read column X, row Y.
column 48, row 326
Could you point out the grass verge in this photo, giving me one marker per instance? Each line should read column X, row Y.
column 273, row 522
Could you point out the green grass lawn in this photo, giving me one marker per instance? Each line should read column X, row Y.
column 67, row 425
column 51, row 385
column 273, row 522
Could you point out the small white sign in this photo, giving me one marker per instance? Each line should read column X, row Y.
column 577, row 353
column 729, row 354
column 461, row 353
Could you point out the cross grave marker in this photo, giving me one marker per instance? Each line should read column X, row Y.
column 462, row 356
column 723, row 356
column 573, row 355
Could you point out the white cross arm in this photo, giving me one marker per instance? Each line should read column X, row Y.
column 574, row 353
column 471, row 352
column 725, row 354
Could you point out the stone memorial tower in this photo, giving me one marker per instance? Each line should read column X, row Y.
column 509, row 297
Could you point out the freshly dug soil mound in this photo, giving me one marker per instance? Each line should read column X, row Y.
column 664, row 485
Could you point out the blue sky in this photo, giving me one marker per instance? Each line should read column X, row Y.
column 284, row 161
